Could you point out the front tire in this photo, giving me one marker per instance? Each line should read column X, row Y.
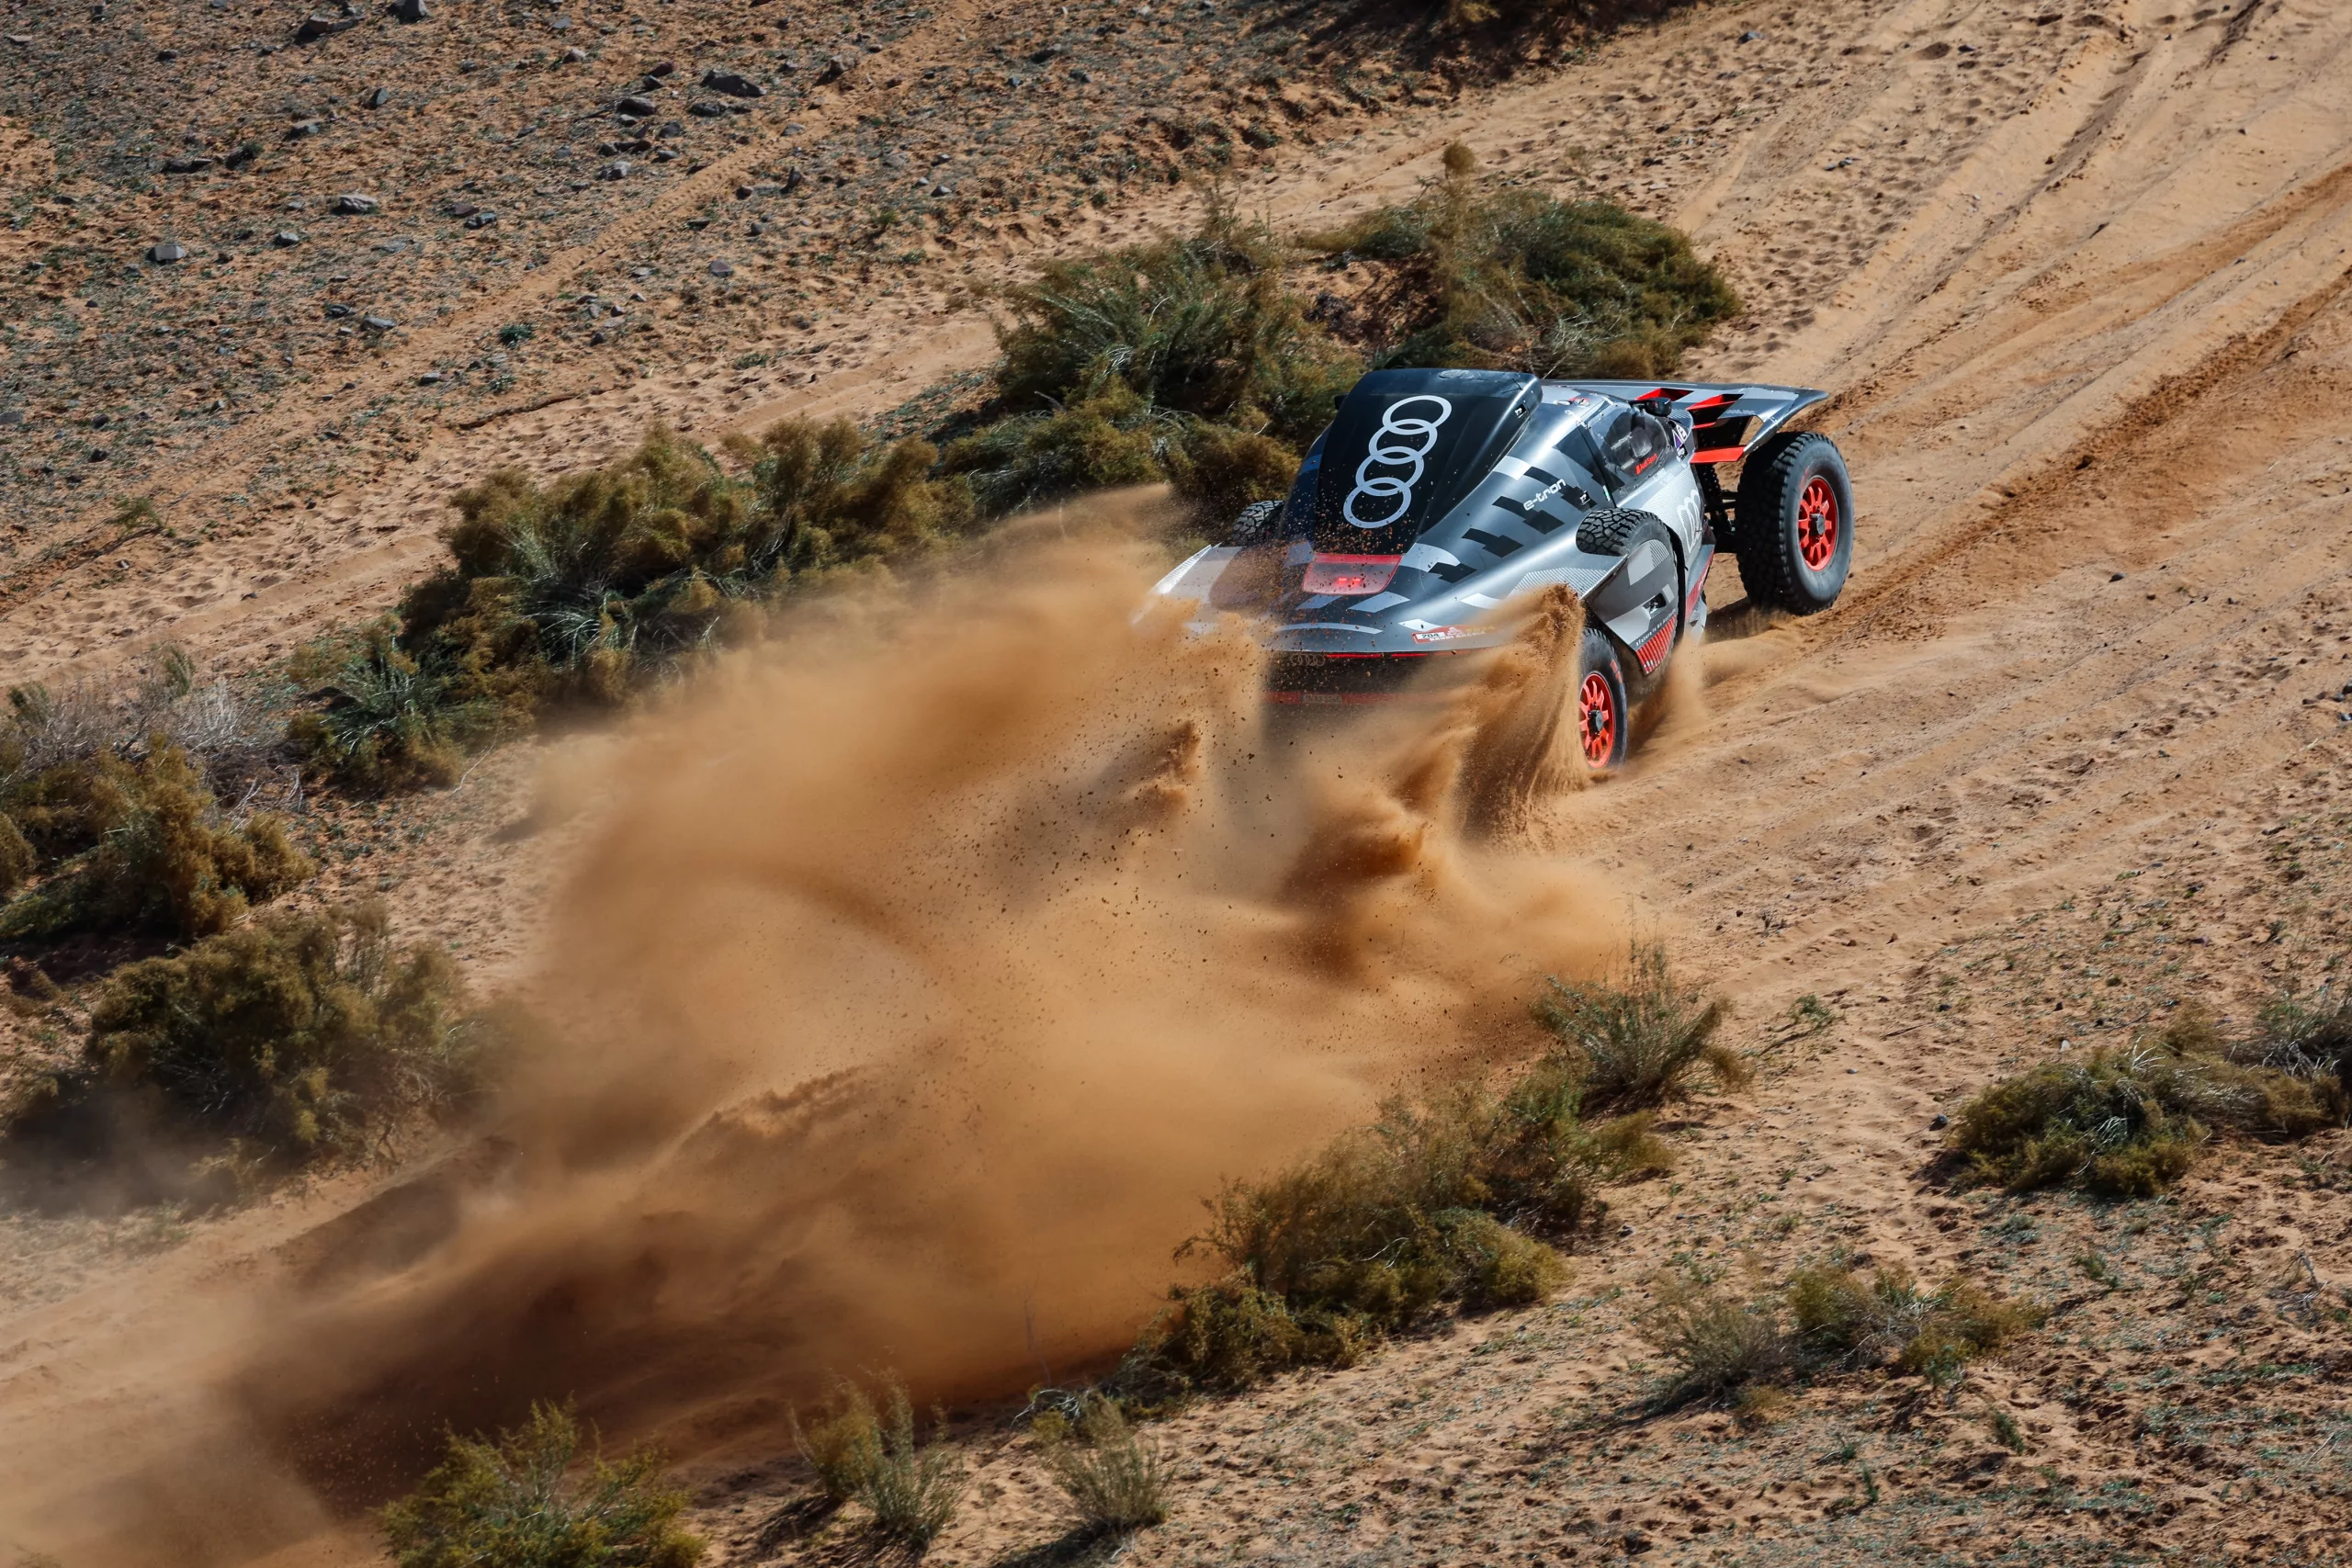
column 1604, row 717
column 1795, row 523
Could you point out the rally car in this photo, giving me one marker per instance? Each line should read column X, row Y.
column 1438, row 498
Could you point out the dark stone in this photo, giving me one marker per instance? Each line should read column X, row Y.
column 481, row 220
column 1082, row 77
column 336, row 311
column 410, row 11
column 463, row 208
column 1940, row 1123
column 672, row 128
column 166, row 252
column 242, row 156
column 302, row 127
column 575, row 55
column 166, row 56
column 722, row 269
column 12, row 416
column 378, row 99
column 1039, row 56
column 351, row 204
column 665, row 67
column 636, row 108
column 616, row 170
column 287, row 239
column 839, row 67
column 377, row 323
column 315, row 27
column 698, row 223
column 189, row 166
column 703, row 108
column 733, row 83
column 792, row 178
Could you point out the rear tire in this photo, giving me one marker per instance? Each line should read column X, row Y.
column 1604, row 717
column 1795, row 523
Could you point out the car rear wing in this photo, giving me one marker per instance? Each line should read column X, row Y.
column 1726, row 419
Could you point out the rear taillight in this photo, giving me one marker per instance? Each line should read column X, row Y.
column 1351, row 574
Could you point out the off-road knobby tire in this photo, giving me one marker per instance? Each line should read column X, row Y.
column 1256, row 524
column 1597, row 656
column 1610, row 531
column 1769, row 544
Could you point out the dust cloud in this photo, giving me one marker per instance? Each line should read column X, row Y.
column 916, row 980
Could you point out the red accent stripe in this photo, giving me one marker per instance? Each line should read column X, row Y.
column 1720, row 455
column 1653, row 651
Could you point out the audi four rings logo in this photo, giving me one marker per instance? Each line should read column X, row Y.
column 1397, row 444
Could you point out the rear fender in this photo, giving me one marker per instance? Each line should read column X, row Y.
column 1639, row 602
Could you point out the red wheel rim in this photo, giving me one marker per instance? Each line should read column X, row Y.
column 1817, row 524
column 1597, row 719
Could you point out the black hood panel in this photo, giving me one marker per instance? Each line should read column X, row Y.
column 1407, row 446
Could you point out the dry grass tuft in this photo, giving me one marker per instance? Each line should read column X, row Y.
column 1844, row 1319
column 1637, row 1033
column 1115, row 1479
column 873, row 1457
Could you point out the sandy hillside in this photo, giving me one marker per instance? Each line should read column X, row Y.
column 2070, row 753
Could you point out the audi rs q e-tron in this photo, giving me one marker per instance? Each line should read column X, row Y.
column 1436, row 499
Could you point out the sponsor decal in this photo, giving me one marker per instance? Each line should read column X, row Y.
column 1403, row 441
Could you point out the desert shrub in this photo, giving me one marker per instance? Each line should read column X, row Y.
column 843, row 1445
column 912, row 1488
column 1843, row 1318
column 2310, row 1040
column 77, row 763
column 387, row 720
column 832, row 498
column 1717, row 1343
column 288, row 1038
column 1517, row 280
column 1201, row 326
column 517, row 1503
column 2128, row 1122
column 1219, row 469
column 578, row 589
column 1114, row 1478
column 160, row 854
column 1635, row 1035
column 1442, row 1201
column 1109, row 439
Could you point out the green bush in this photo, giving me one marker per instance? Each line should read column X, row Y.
column 579, row 588
column 2128, row 1122
column 1442, row 1201
column 138, row 846
column 1219, row 470
column 1637, row 1033
column 1518, row 281
column 1115, row 1479
column 288, row 1038
column 1110, row 439
column 1200, row 326
column 388, row 721
column 516, row 1503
